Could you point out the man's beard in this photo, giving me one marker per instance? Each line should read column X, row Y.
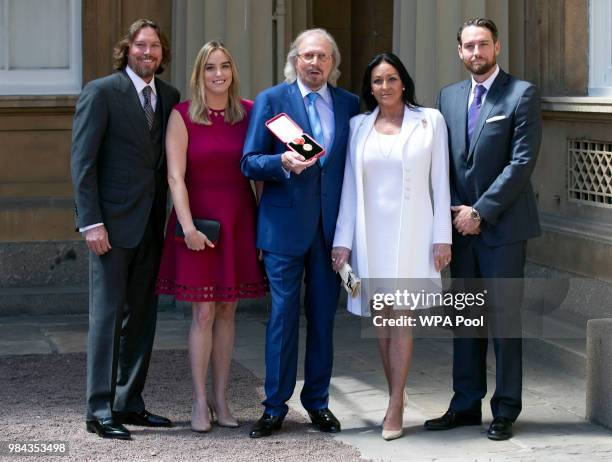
column 481, row 69
column 143, row 71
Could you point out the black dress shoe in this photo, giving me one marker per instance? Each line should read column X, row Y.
column 266, row 424
column 325, row 420
column 143, row 419
column 500, row 429
column 108, row 428
column 452, row 420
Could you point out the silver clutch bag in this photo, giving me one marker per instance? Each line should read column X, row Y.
column 350, row 281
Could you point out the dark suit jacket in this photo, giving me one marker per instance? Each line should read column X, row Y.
column 290, row 208
column 492, row 174
column 116, row 176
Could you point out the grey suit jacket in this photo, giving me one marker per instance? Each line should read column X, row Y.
column 117, row 178
column 493, row 173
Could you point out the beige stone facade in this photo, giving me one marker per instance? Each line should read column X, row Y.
column 544, row 41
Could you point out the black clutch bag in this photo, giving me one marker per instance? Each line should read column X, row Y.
column 210, row 228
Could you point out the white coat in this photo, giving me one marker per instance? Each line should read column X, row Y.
column 425, row 218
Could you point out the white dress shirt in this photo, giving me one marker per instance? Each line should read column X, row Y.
column 325, row 107
column 139, row 84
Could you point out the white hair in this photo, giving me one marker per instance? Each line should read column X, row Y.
column 290, row 71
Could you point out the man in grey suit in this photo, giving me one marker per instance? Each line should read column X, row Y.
column 494, row 128
column 119, row 181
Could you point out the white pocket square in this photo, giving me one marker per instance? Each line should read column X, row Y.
column 495, row 119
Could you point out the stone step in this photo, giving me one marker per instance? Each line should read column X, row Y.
column 43, row 300
column 557, row 339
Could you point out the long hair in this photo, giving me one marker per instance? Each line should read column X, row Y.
column 198, row 109
column 408, row 94
column 121, row 49
column 290, row 70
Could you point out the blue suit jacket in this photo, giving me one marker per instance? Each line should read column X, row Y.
column 290, row 208
column 492, row 174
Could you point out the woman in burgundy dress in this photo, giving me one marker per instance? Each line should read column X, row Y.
column 204, row 143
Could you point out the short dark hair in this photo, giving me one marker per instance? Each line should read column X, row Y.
column 408, row 95
column 120, row 52
column 479, row 22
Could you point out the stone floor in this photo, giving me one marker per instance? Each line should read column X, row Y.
column 550, row 428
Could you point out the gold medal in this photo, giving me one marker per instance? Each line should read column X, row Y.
column 307, row 147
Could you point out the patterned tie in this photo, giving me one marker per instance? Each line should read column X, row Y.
column 148, row 109
column 313, row 117
column 474, row 111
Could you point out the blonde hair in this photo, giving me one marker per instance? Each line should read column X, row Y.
column 198, row 109
column 290, row 70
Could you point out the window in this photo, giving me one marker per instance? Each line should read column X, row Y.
column 600, row 55
column 40, row 47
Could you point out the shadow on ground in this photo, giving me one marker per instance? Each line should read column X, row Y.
column 42, row 399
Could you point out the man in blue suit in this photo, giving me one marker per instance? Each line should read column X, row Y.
column 494, row 128
column 296, row 224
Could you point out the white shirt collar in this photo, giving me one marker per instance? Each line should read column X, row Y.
column 138, row 82
column 487, row 83
column 323, row 91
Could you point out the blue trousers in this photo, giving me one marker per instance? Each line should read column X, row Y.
column 501, row 269
column 285, row 273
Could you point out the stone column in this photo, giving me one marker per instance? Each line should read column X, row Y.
column 424, row 37
column 599, row 371
column 247, row 31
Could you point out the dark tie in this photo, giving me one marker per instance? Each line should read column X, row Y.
column 148, row 108
column 474, row 111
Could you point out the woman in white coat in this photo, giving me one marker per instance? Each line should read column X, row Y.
column 389, row 226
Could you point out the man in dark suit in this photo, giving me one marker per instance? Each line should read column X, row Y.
column 119, row 180
column 297, row 219
column 494, row 127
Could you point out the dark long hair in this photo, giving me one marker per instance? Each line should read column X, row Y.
column 408, row 95
column 120, row 52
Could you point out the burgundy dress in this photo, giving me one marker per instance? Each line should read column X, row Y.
column 217, row 191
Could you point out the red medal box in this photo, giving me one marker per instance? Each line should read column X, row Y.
column 290, row 133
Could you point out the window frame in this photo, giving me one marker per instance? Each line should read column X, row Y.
column 600, row 44
column 65, row 81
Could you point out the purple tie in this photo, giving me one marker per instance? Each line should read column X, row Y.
column 474, row 111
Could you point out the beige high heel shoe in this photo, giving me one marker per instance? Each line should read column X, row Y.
column 389, row 435
column 227, row 424
column 197, row 426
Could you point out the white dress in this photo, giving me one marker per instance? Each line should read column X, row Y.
column 382, row 184
column 394, row 209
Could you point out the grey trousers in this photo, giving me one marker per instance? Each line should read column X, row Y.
column 122, row 318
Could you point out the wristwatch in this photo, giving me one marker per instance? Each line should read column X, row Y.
column 475, row 215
